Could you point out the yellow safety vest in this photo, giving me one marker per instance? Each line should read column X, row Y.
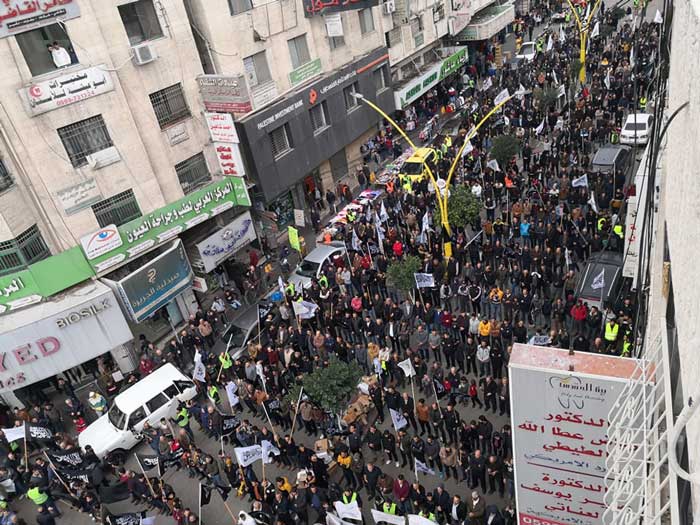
column 611, row 331
column 601, row 223
column 390, row 508
column 617, row 230
column 352, row 498
column 225, row 361
column 38, row 497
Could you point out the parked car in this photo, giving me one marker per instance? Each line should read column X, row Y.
column 527, row 51
column 612, row 158
column 588, row 288
column 637, row 129
column 244, row 328
column 310, row 267
column 153, row 397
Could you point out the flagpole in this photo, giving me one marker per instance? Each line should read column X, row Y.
column 296, row 411
column 222, row 445
column 274, row 433
column 53, row 468
column 153, row 492
column 221, row 366
column 415, row 469
column 413, row 393
column 437, row 400
column 199, row 514
column 26, row 449
column 230, row 511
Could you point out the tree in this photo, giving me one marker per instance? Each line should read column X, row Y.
column 546, row 98
column 462, row 207
column 400, row 273
column 504, row 148
column 329, row 388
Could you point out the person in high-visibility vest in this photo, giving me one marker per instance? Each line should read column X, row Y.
column 619, row 231
column 389, row 507
column 425, row 513
column 182, row 418
column 323, row 281
column 643, row 103
column 213, row 393
column 627, row 345
column 349, row 496
column 39, row 497
column 612, row 330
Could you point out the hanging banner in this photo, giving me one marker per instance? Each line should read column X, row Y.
column 229, row 158
column 222, row 128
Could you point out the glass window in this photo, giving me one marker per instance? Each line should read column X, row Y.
column 319, row 117
column 170, row 105
column 116, row 417
column 299, row 51
column 156, row 402
column 83, row 138
column 6, row 179
column 183, row 385
column 366, row 20
column 140, row 21
column 171, row 392
column 46, row 49
column 193, row 173
column 239, row 6
column 350, row 101
column 416, row 25
column 118, row 209
column 281, row 140
column 393, row 37
column 336, row 41
column 257, row 69
column 379, row 78
column 136, row 417
column 27, row 248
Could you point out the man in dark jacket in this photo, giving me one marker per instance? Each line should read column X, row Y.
column 458, row 511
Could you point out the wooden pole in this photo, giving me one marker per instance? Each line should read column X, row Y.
column 230, row 512
column 272, row 427
column 436, row 398
column 153, row 492
column 296, row 411
column 221, row 366
column 53, row 468
column 413, row 393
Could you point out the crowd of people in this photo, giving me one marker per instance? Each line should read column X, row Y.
column 512, row 275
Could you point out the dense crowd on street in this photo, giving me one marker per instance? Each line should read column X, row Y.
column 512, row 275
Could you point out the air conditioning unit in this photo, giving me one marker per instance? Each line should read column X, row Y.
column 103, row 158
column 389, row 6
column 143, row 54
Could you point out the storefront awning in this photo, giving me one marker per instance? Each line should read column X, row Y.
column 487, row 22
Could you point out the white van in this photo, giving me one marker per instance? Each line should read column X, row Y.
column 154, row 397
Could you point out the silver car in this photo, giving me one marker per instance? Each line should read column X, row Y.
column 310, row 267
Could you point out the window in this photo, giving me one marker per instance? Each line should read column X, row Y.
column 83, row 138
column 140, row 21
column 350, row 101
column 299, row 51
column 118, row 209
column 281, row 139
column 380, row 78
column 193, row 173
column 366, row 20
column 136, row 417
column 257, row 69
column 336, row 41
column 239, row 6
column 171, row 392
column 319, row 117
column 156, row 402
column 46, row 49
column 170, row 105
column 5, row 178
column 29, row 247
column 393, row 37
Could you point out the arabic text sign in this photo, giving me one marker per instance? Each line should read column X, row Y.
column 227, row 241
column 222, row 128
column 230, row 159
column 559, row 438
column 17, row 16
column 228, row 94
column 317, row 7
column 66, row 89
column 79, row 196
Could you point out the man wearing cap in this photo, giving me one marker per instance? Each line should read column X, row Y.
column 477, row 507
column 98, row 403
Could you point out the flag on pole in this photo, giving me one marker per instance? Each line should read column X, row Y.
column 200, row 372
column 248, row 455
column 15, row 433
column 593, row 204
column 149, row 461
column 658, row 19
column 407, row 368
column 204, row 496
column 424, row 280
column 380, row 237
column 588, row 13
column 304, row 309
column 607, row 79
column 501, row 97
column 596, row 29
column 632, row 57
column 562, row 35
column 493, row 164
column 486, row 84
column 555, row 78
column 550, row 43
column 268, row 450
column 599, row 281
column 422, row 467
column 425, row 226
column 383, row 215
column 468, row 148
column 561, row 92
column 355, row 241
column 397, row 419
column 539, row 129
column 231, row 389
column 580, row 182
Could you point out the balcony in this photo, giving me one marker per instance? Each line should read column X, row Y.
column 487, row 23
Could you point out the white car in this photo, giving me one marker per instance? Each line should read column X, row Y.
column 153, row 397
column 310, row 267
column 527, row 51
column 637, row 129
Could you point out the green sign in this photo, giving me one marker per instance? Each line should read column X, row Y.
column 438, row 72
column 305, row 72
column 294, row 238
column 148, row 231
column 453, row 63
column 44, row 279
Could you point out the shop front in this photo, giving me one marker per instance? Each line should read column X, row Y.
column 157, row 296
column 80, row 334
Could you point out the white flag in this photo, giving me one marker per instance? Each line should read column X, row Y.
column 383, row 215
column 268, row 450
column 304, row 309
column 231, row 389
column 501, row 97
column 550, row 43
column 398, row 419
column 407, row 367
column 348, row 510
column 200, row 371
column 593, row 204
column 15, row 433
column 415, row 519
column 539, row 129
column 248, row 455
column 562, row 35
column 425, row 227
column 380, row 237
column 588, row 14
column 280, row 283
column 468, row 148
column 424, row 280
column 632, row 57
column 150, row 520
column 561, row 92
column 554, row 76
column 599, row 281
column 384, row 517
column 355, row 241
column 422, row 467
column 486, row 84
column 607, row 79
column 493, row 164
column 596, row 30
column 658, row 19
column 580, row 182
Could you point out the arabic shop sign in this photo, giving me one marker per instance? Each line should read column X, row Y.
column 18, row 16
column 65, row 90
column 305, row 72
column 225, row 94
column 227, row 241
column 142, row 234
column 79, row 196
column 155, row 284
column 321, row 7
column 438, row 72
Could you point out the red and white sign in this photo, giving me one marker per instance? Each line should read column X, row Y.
column 222, row 128
column 560, row 432
column 230, row 160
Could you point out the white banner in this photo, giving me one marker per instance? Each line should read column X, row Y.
column 227, row 241
column 268, row 450
column 501, row 97
column 486, row 84
column 304, row 309
column 15, row 433
column 334, row 24
column 424, row 280
column 407, row 368
column 200, row 372
column 493, row 164
column 248, row 455
column 348, row 510
column 397, row 419
column 415, row 519
column 599, row 281
column 580, row 181
column 222, row 128
column 231, row 389
column 422, row 467
column 384, row 517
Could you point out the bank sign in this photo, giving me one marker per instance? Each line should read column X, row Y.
column 112, row 245
column 438, row 72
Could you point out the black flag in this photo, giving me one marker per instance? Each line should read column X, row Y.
column 204, row 495
column 67, row 459
column 229, row 424
column 263, row 310
column 130, row 518
column 439, row 389
column 223, row 491
column 149, row 462
column 114, row 493
column 40, row 433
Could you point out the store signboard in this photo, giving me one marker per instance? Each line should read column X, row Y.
column 560, row 431
column 79, row 196
column 164, row 224
column 18, row 16
column 319, row 7
column 83, row 324
column 155, row 284
column 436, row 73
column 227, row 241
column 228, row 155
column 225, row 94
column 222, row 128
column 305, row 72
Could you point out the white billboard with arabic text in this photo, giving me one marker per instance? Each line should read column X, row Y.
column 227, row 241
column 560, row 431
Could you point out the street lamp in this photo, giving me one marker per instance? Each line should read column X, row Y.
column 583, row 29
